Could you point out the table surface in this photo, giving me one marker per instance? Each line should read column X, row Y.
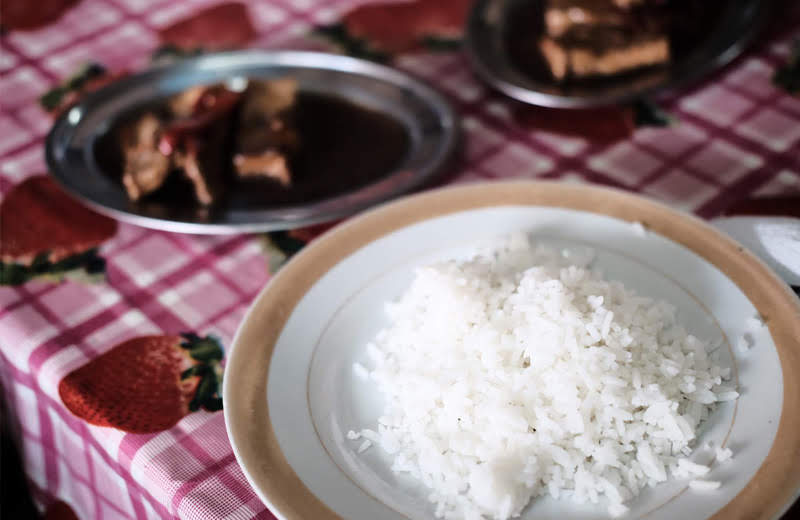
column 738, row 136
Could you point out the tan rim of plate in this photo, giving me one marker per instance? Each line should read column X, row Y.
column 775, row 483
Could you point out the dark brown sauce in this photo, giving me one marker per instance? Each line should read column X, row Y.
column 344, row 146
column 690, row 23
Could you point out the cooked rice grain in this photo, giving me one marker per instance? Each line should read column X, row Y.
column 518, row 374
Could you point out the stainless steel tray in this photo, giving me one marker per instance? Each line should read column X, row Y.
column 735, row 23
column 430, row 121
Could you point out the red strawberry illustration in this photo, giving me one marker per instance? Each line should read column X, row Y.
column 43, row 231
column 59, row 510
column 223, row 26
column 147, row 384
column 600, row 125
column 21, row 15
column 376, row 29
column 604, row 125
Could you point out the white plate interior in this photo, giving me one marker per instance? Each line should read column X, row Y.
column 315, row 396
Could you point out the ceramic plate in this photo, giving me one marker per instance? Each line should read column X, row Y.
column 291, row 393
column 77, row 142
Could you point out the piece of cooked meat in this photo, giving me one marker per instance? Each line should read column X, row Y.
column 640, row 52
column 198, row 109
column 586, row 38
column 200, row 162
column 145, row 167
column 188, row 159
column 184, row 104
column 253, row 137
column 560, row 16
column 267, row 164
column 556, row 57
column 265, row 135
column 584, row 59
column 197, row 137
column 265, row 99
column 205, row 160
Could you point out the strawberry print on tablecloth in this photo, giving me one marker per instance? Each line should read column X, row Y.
column 147, row 384
column 24, row 15
column 47, row 234
column 378, row 30
column 60, row 510
column 220, row 27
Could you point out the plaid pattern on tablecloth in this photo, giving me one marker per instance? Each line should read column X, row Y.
column 738, row 136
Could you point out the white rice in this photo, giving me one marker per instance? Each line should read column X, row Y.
column 723, row 454
column 704, row 485
column 518, row 374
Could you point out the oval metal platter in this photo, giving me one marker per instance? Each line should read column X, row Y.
column 430, row 123
column 496, row 27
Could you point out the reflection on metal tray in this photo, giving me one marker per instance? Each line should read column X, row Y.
column 501, row 44
column 81, row 155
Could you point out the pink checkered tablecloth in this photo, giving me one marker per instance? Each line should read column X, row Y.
column 738, row 136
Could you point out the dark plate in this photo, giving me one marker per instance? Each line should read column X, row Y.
column 80, row 155
column 501, row 36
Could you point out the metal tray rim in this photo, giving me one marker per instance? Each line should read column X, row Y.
column 286, row 217
column 505, row 81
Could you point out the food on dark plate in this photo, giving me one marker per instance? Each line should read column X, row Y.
column 146, row 168
column 202, row 161
column 267, row 164
column 192, row 133
column 266, row 134
column 562, row 15
column 604, row 54
column 586, row 38
column 248, row 143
